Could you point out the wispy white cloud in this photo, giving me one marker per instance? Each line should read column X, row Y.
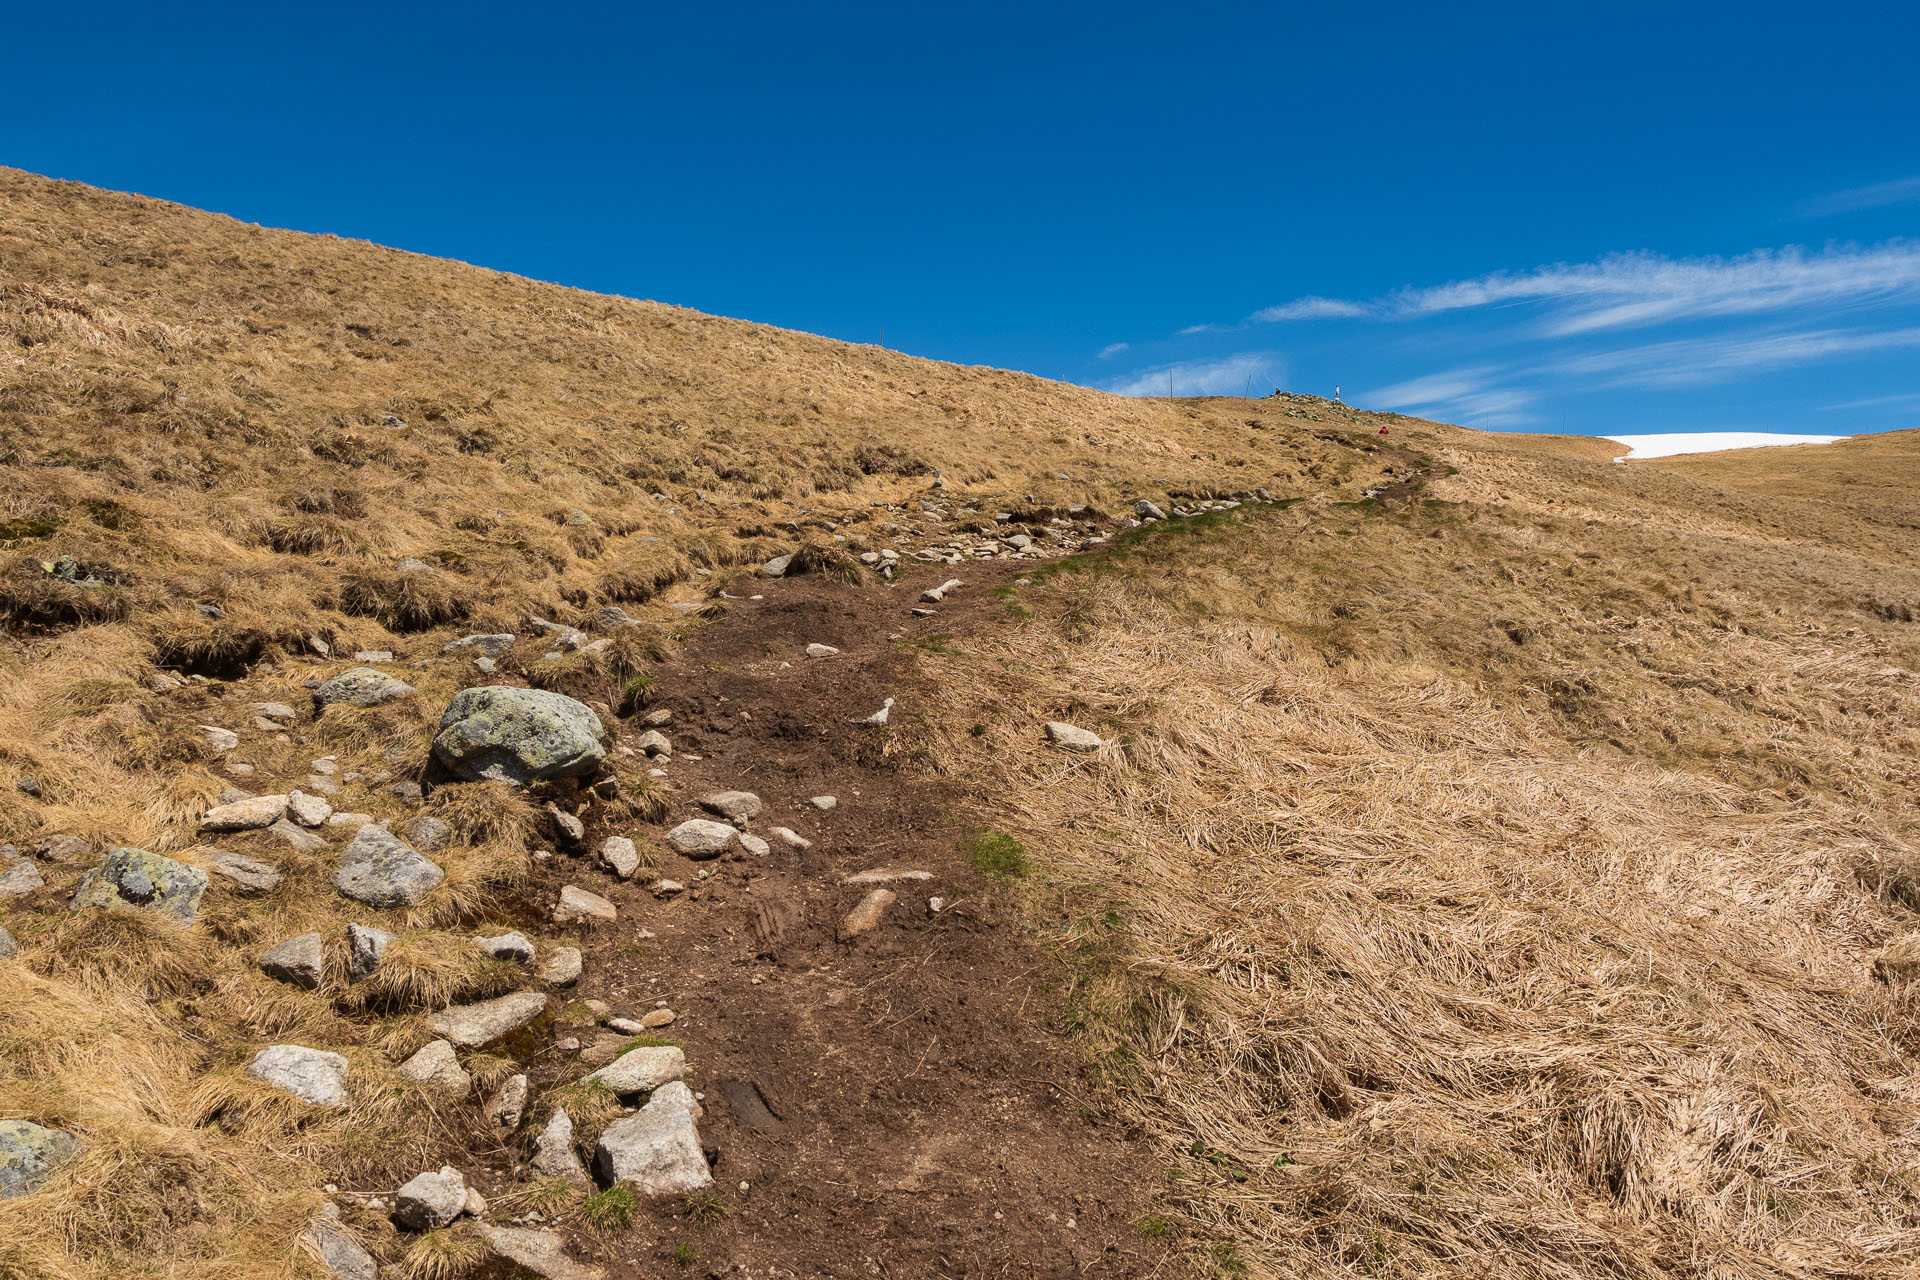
column 1471, row 396
column 1192, row 329
column 1228, row 375
column 1434, row 388
column 1311, row 307
column 1853, row 199
column 1630, row 290
column 1113, row 349
column 1911, row 398
column 1699, row 361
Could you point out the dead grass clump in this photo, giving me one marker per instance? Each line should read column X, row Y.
column 417, row 600
column 126, row 949
column 485, row 812
column 428, row 970
column 195, row 645
column 308, row 535
column 447, row 1254
column 600, row 673
column 589, row 1104
column 31, row 599
column 827, row 560
column 642, row 574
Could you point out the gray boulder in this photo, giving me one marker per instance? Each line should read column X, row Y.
column 738, row 805
column 136, row 878
column 656, row 1150
column 553, row 1152
column 431, row 1200
column 361, row 687
column 643, row 1070
column 254, row 877
column 311, row 1075
column 544, row 1253
column 297, row 960
column 18, row 877
column 472, row 1025
column 437, row 1064
column 491, row 646
column 518, row 735
column 341, row 1253
column 700, row 838
column 29, row 1153
column 365, row 946
column 381, row 870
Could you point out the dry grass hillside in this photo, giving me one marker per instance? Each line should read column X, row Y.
column 1502, row 875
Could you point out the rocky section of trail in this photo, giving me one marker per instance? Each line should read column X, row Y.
column 786, row 1019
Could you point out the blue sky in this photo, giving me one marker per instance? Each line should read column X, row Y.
column 1620, row 218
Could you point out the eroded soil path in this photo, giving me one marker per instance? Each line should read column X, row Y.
column 899, row 1105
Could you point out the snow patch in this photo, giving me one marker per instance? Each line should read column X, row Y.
column 1669, row 443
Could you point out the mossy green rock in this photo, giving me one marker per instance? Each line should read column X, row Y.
column 136, row 878
column 28, row 1153
column 505, row 734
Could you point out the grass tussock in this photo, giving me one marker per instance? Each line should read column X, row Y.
column 425, row 970
column 120, row 949
column 447, row 1254
column 404, row 600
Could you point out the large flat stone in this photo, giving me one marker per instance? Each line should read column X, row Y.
column 642, row 1070
column 311, row 1075
column 472, row 1025
column 701, row 838
column 381, row 870
column 250, row 814
column 656, row 1151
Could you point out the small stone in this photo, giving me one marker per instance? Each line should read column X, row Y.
column 250, row 814
column 620, row 856
column 777, row 567
column 737, row 805
column 373, row 655
column 427, row 833
column 378, row 869
column 273, row 710
column 658, row 718
column 438, row 1065
column 65, row 849
column 553, row 1153
column 365, row 946
column 473, row 1025
column 885, row 875
column 572, row 830
column 136, row 878
column 642, row 1070
column 307, row 810
column 544, row 1253
column 701, row 838
column 667, row 888
column 8, row 947
column 934, row 595
column 754, row 845
column 29, row 1154
column 410, row 792
column 299, row 838
column 431, row 1200
column 344, row 818
column 789, row 836
column 18, row 877
column 922, row 613
column 657, row 1150
column 477, row 1204
column 936, row 905
column 577, row 905
column 26, row 786
column 658, row 1018
column 220, row 739
column 361, row 687
column 320, row 784
column 298, row 960
column 821, row 651
column 491, row 646
column 508, row 946
column 562, row 968
column 866, row 915
column 654, row 744
column 339, row 1251
column 508, row 1104
column 825, row 803
column 1148, row 511
column 1072, row 738
column 311, row 1075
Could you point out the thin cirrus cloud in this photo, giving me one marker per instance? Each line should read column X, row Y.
column 1228, row 375
column 1877, row 195
column 1629, row 290
column 1113, row 349
column 1472, row 396
column 1701, row 361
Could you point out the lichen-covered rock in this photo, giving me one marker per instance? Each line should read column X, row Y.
column 136, row 878
column 381, row 870
column 365, row 946
column 361, row 687
column 311, row 1075
column 521, row 736
column 656, row 1151
column 29, row 1153
column 254, row 877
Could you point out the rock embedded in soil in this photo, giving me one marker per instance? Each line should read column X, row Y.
column 576, row 905
column 18, row 877
column 365, row 946
column 544, row 1253
column 8, row 947
column 381, row 870
column 620, row 856
column 777, row 567
column 885, row 875
column 508, row 1104
column 428, row 833
column 666, row 888
column 1070, row 737
column 481, row 1023
column 741, row 806
column 821, row 651
column 299, row 839
column 934, row 595
column 553, row 1153
column 658, row 718
column 360, row 687
column 220, row 739
column 572, row 830
column 642, row 1070
column 656, row 1151
column 655, row 744
column 521, row 736
column 562, row 968
column 700, row 838
column 136, row 878
column 438, row 1065
column 491, row 646
column 867, row 914
column 514, row 946
column 311, row 1075
column 29, row 1154
column 754, row 845
column 825, row 803
column 657, row 1018
column 298, row 960
column 431, row 1200
column 339, row 1251
column 307, row 810
column 789, row 836
column 250, row 814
